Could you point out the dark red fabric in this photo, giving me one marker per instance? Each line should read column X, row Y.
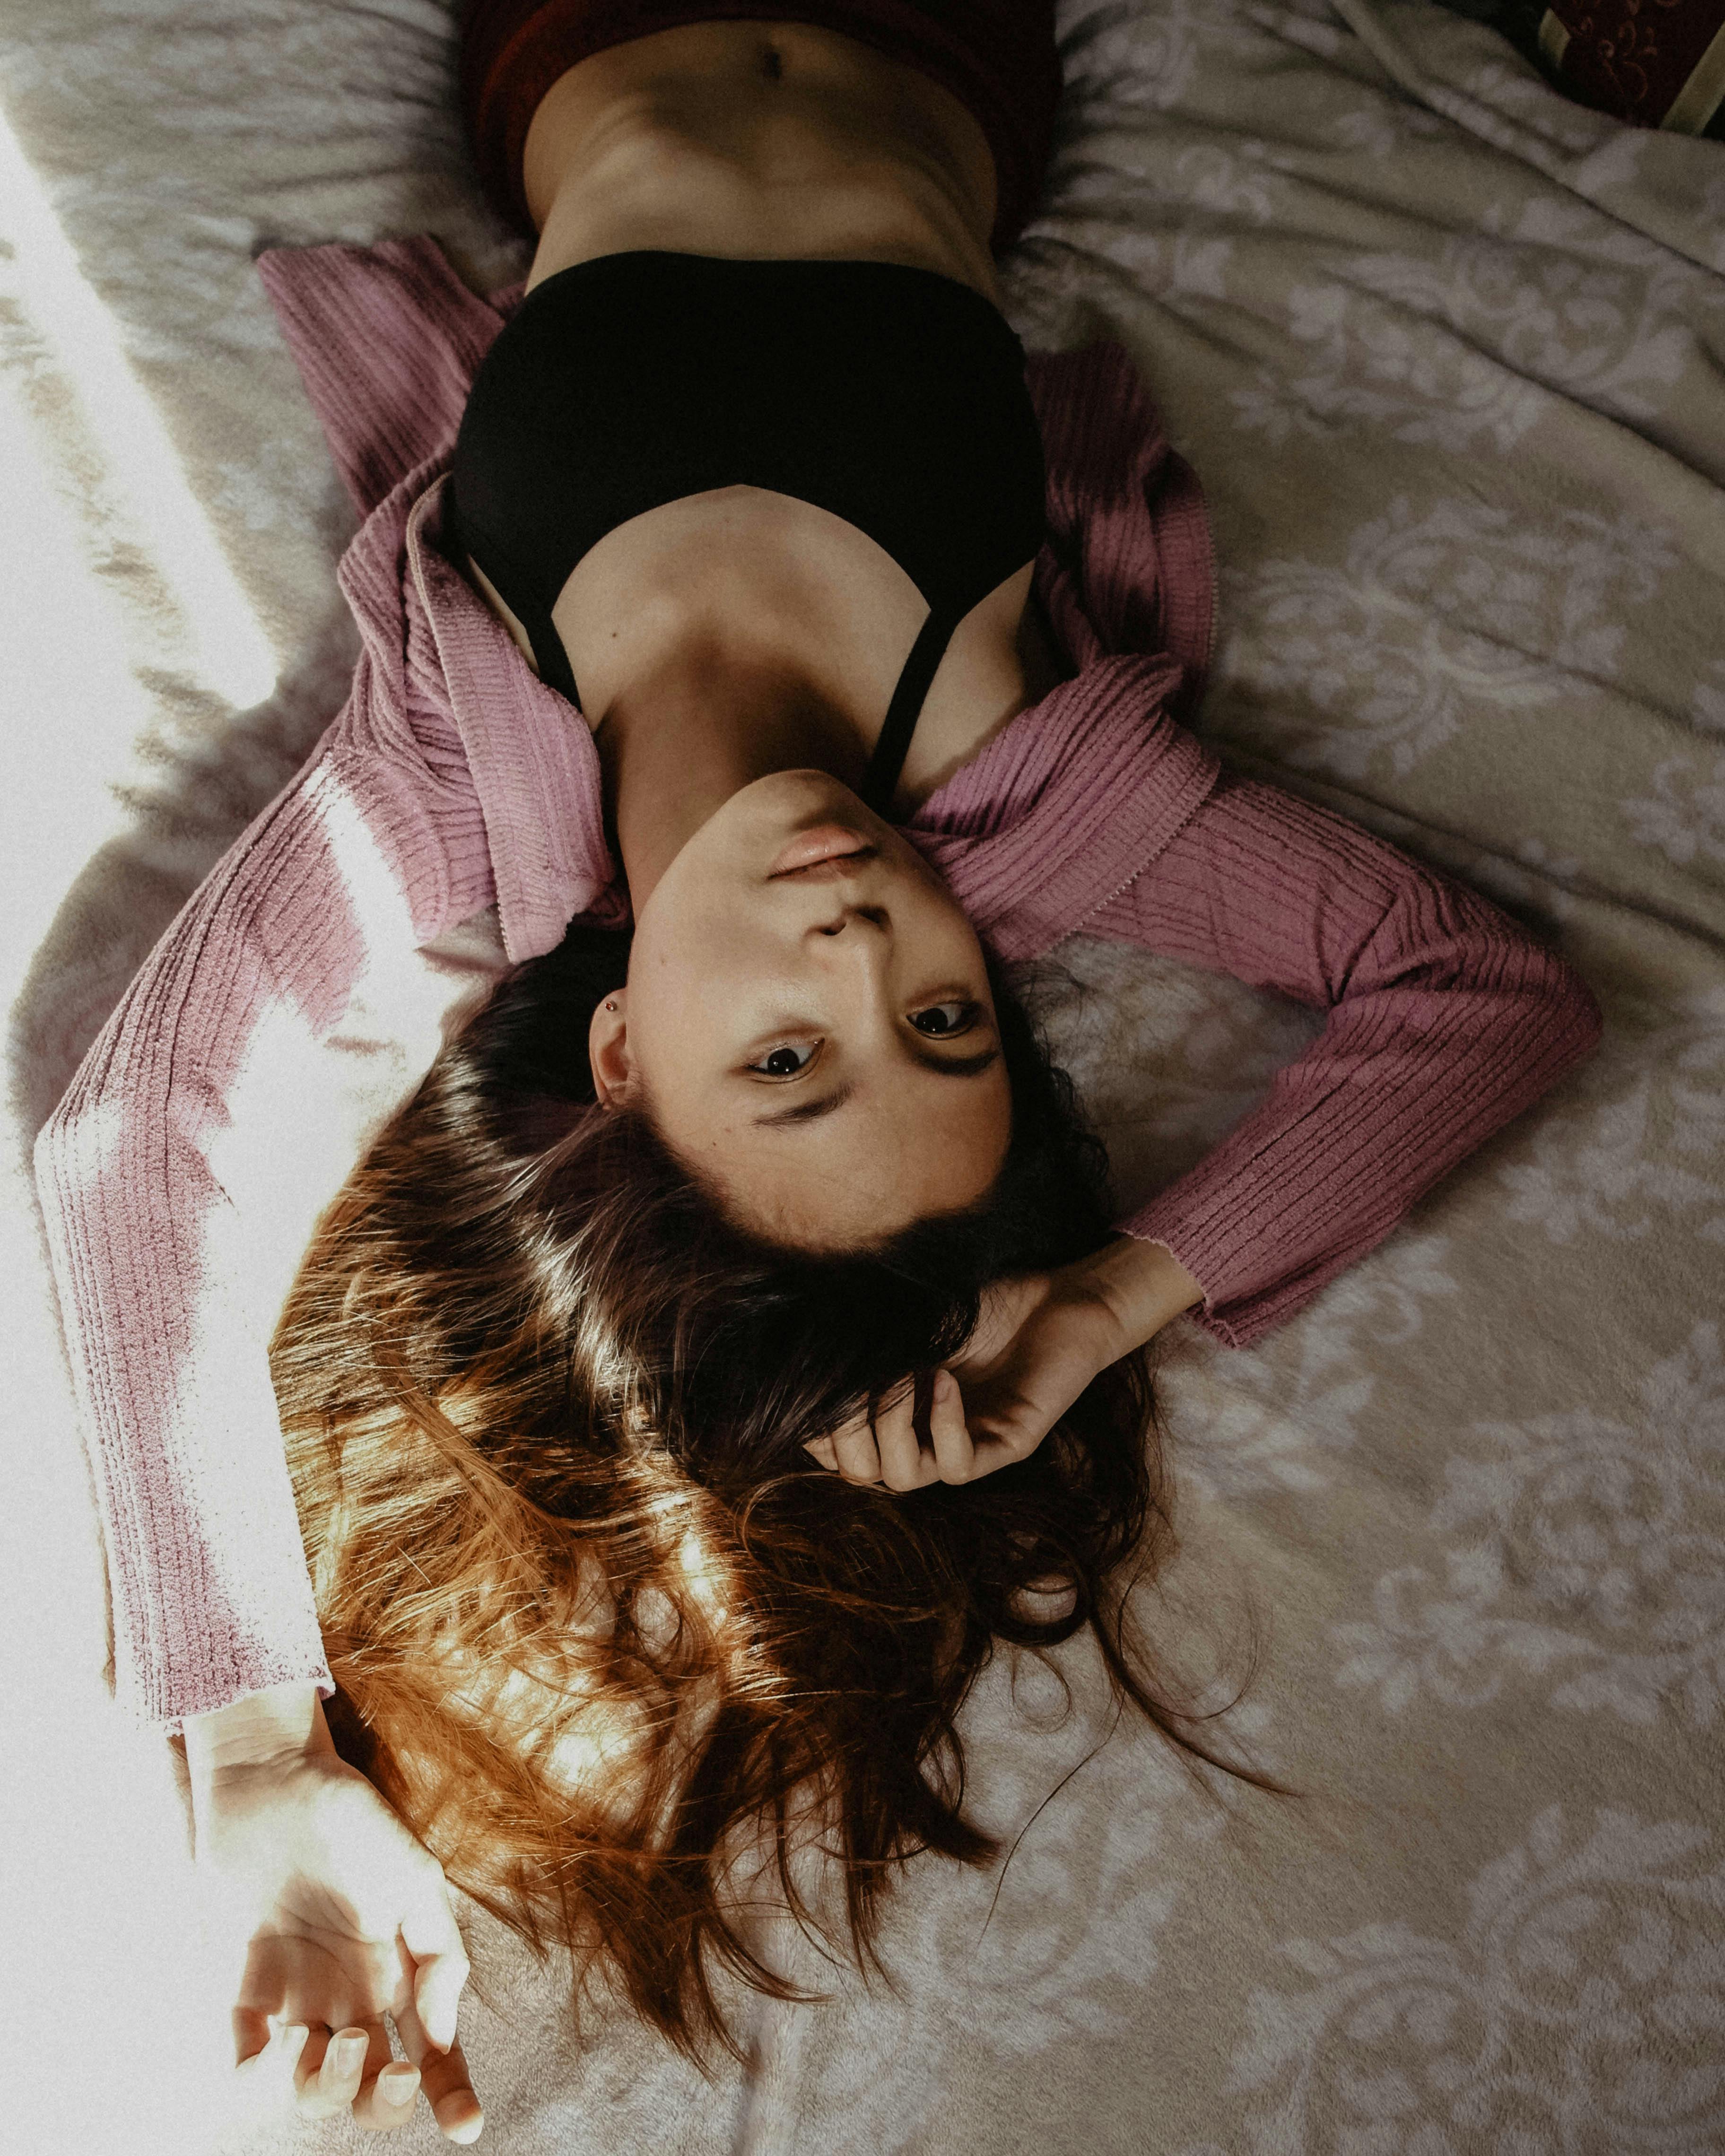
column 1633, row 57
column 996, row 58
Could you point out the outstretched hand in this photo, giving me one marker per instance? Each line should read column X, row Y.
column 1039, row 1341
column 343, row 1917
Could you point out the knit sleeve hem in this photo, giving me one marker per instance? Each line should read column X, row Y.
column 170, row 1709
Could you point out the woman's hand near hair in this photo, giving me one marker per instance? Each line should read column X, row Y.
column 1041, row 1338
column 342, row 1917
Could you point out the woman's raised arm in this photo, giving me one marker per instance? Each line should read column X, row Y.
column 1445, row 1020
column 288, row 1008
column 296, row 1000
column 292, row 1005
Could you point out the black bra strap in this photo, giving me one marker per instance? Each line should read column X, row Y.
column 553, row 661
column 894, row 746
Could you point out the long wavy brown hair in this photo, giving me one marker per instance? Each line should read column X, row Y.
column 595, row 1618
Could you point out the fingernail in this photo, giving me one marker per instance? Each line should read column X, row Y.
column 458, row 2123
column 398, row 2089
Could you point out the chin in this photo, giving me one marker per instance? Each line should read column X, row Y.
column 805, row 785
column 787, row 802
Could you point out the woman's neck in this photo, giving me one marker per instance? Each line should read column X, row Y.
column 677, row 743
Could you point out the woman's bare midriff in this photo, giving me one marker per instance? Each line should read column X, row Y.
column 777, row 141
column 770, row 139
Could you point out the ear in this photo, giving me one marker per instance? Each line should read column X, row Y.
column 608, row 1049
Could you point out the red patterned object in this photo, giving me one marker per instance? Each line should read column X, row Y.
column 1655, row 63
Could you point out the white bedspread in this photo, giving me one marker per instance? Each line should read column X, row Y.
column 1446, row 352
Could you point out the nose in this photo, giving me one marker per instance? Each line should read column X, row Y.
column 875, row 916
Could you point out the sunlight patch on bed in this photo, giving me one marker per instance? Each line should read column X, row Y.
column 71, row 700
column 229, row 650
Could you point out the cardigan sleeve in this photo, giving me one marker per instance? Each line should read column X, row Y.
column 1445, row 1020
column 388, row 340
column 295, row 1001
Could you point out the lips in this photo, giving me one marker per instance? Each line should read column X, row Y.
column 825, row 844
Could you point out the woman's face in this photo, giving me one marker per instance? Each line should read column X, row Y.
column 809, row 1015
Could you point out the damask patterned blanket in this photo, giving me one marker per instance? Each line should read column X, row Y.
column 1446, row 351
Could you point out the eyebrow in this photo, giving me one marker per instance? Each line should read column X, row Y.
column 949, row 1066
column 807, row 1111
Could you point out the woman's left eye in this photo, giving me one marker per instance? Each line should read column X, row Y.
column 940, row 1020
column 790, row 1061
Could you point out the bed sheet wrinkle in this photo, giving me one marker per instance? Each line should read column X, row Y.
column 1442, row 351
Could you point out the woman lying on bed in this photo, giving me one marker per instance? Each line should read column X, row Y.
column 729, row 1339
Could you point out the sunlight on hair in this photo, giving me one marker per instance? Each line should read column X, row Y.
column 230, row 652
column 593, row 1738
column 706, row 1580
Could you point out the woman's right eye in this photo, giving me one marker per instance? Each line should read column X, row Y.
column 786, row 1062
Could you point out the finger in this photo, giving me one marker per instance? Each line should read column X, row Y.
column 859, row 1457
column 954, row 1456
column 312, row 2055
column 255, row 2031
column 902, row 1461
column 387, row 2101
column 437, row 1987
column 330, row 2069
column 821, row 1449
column 433, row 1938
column 444, row 2076
column 380, row 2101
column 268, row 2056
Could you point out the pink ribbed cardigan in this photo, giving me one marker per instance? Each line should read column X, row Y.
column 449, row 821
